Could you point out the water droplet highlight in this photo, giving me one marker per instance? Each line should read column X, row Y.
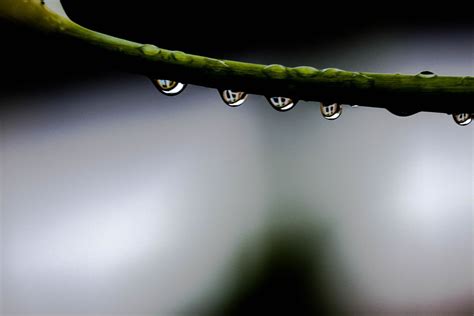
column 331, row 111
column 233, row 98
column 332, row 71
column 281, row 104
column 462, row 119
column 169, row 87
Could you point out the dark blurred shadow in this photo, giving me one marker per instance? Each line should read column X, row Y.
column 290, row 269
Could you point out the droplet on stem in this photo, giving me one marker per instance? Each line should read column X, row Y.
column 233, row 98
column 330, row 111
column 169, row 87
column 282, row 104
column 427, row 74
column 401, row 111
column 149, row 49
column 462, row 119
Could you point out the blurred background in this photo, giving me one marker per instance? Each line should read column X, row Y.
column 116, row 199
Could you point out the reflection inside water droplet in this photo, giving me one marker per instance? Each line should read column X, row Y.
column 330, row 111
column 233, row 98
column 169, row 87
column 281, row 104
column 462, row 119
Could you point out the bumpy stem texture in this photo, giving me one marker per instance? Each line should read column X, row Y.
column 400, row 93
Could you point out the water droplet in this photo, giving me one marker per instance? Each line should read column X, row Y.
column 217, row 64
column 149, row 49
column 462, row 119
column 426, row 74
column 306, row 71
column 275, row 71
column 400, row 111
column 169, row 87
column 332, row 71
column 180, row 56
column 331, row 111
column 233, row 98
column 282, row 104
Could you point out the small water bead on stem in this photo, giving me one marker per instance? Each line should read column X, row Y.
column 462, row 119
column 169, row 87
column 330, row 111
column 282, row 104
column 233, row 98
column 149, row 50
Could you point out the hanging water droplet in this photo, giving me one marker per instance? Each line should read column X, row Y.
column 282, row 104
column 427, row 74
column 401, row 111
column 330, row 111
column 462, row 119
column 169, row 87
column 233, row 98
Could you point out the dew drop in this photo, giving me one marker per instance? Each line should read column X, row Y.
column 281, row 104
column 331, row 111
column 149, row 49
column 332, row 71
column 233, row 98
column 180, row 56
column 305, row 71
column 426, row 74
column 404, row 112
column 169, row 87
column 276, row 71
column 462, row 119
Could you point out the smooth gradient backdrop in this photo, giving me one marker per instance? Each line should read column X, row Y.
column 118, row 200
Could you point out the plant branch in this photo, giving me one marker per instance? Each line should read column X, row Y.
column 400, row 93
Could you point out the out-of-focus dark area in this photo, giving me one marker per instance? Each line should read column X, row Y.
column 116, row 199
column 290, row 266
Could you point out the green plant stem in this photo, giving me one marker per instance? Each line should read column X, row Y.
column 400, row 93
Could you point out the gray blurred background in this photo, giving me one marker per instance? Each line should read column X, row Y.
column 116, row 199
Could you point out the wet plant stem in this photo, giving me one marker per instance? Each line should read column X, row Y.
column 400, row 93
